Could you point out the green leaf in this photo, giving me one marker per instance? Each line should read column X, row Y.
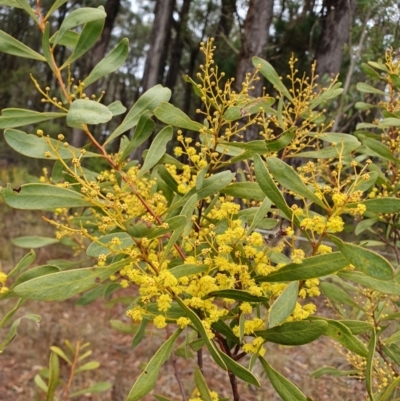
column 96, row 388
column 245, row 190
column 212, row 185
column 294, row 333
column 188, row 269
column 342, row 334
column 363, row 106
column 365, row 88
column 13, row 118
column 13, row 329
column 173, row 223
column 40, row 383
column 379, row 148
column 25, row 5
column 161, row 398
column 370, row 364
column 370, row 263
column 169, row 114
column 140, row 333
column 395, row 338
column 54, row 376
column 289, row 179
column 269, row 72
column 148, row 378
column 37, row 271
column 364, row 225
column 286, row 389
column 389, row 122
column 55, row 6
column 66, row 284
column 312, row 267
column 95, row 249
column 88, row 366
column 336, row 294
column 87, row 38
column 114, row 60
column 42, row 196
column 197, row 323
column 91, row 295
column 386, row 396
column 380, row 205
column 12, row 46
column 116, row 108
column 24, row 263
column 238, row 295
column 11, row 312
column 84, row 111
column 334, row 372
column 284, row 139
column 283, row 307
column 323, row 96
column 70, row 39
column 78, row 17
column 34, row 241
column 157, row 149
column 36, row 147
column 269, row 187
column 238, row 370
column 10, row 3
column 384, row 286
column 146, row 103
column 201, row 385
column 143, row 131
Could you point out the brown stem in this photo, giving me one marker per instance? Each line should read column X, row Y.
column 72, row 372
column 235, row 391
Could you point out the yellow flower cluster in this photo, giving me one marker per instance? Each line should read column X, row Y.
column 3, row 279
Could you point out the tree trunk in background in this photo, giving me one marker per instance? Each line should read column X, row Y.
column 159, row 39
column 254, row 43
column 177, row 47
column 111, row 8
column 336, row 23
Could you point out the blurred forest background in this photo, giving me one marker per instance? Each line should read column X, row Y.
column 165, row 35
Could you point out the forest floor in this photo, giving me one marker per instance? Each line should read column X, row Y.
column 120, row 365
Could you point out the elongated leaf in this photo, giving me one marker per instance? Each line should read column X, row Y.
column 96, row 388
column 380, row 205
column 42, row 196
column 169, row 114
column 36, row 147
column 10, row 3
column 146, row 103
column 161, row 398
column 364, row 225
column 366, row 88
column 37, row 271
column 200, row 329
column 116, row 108
column 140, row 333
column 286, row 389
column 114, row 60
column 238, row 370
column 313, row 267
column 272, row 76
column 26, row 5
column 370, row 364
column 269, row 187
column 333, row 372
column 342, row 334
column 245, row 190
column 148, row 378
column 173, row 223
column 356, row 326
column 238, row 295
column 87, row 38
column 24, row 263
column 91, row 295
column 13, row 329
column 65, row 284
column 11, row 312
column 77, row 17
column 290, row 180
column 143, row 131
column 389, row 122
column 157, row 149
column 386, row 396
column 88, row 366
column 34, row 241
column 282, row 308
column 294, row 333
column 12, row 118
column 336, row 294
column 363, row 259
column 201, row 385
column 326, row 95
column 12, row 46
column 395, row 338
column 384, row 286
column 379, row 148
column 214, row 184
column 84, row 111
column 54, row 376
column 56, row 5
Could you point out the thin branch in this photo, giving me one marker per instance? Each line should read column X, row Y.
column 72, row 372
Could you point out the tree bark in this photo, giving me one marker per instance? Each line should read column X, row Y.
column 336, row 23
column 78, row 138
column 254, row 43
column 159, row 39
